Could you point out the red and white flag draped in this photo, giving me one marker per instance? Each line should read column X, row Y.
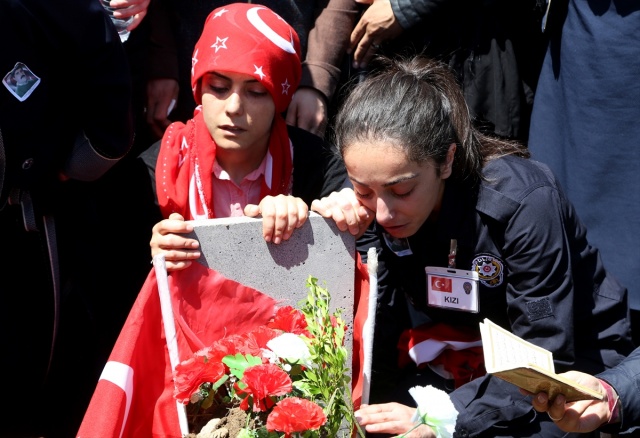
column 134, row 396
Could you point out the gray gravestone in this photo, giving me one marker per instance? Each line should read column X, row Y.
column 235, row 248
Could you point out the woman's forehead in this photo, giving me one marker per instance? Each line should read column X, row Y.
column 370, row 147
column 231, row 76
column 381, row 157
column 376, row 157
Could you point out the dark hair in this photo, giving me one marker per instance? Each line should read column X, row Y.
column 416, row 104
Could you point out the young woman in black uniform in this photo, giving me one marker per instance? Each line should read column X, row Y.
column 466, row 228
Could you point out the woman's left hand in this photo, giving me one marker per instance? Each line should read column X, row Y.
column 580, row 416
column 280, row 216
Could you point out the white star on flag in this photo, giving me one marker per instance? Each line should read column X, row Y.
column 259, row 71
column 220, row 43
column 285, row 86
column 219, row 13
column 194, row 61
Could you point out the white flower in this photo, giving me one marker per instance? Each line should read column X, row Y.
column 292, row 348
column 435, row 409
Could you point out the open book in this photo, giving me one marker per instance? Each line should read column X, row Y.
column 526, row 365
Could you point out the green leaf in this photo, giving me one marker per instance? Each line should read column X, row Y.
column 238, row 363
column 221, row 381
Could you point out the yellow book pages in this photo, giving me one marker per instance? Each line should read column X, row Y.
column 526, row 365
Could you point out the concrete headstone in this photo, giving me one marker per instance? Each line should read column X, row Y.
column 235, row 248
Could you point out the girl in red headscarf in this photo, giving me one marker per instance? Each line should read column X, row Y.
column 237, row 155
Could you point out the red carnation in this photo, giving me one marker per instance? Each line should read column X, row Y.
column 218, row 350
column 264, row 381
column 290, row 320
column 253, row 342
column 294, row 414
column 191, row 373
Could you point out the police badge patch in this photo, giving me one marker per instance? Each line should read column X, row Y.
column 490, row 269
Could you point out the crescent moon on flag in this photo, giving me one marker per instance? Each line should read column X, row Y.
column 439, row 284
column 264, row 29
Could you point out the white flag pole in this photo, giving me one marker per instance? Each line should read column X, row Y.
column 369, row 324
column 169, row 329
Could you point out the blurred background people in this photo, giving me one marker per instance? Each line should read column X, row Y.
column 495, row 48
column 57, row 141
column 585, row 126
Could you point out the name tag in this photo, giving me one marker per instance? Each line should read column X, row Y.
column 454, row 289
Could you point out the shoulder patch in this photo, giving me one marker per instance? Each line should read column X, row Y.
column 490, row 269
column 539, row 309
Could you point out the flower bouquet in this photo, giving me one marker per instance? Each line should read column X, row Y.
column 287, row 379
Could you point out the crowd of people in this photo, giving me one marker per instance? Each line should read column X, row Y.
column 501, row 130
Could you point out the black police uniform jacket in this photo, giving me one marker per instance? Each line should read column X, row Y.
column 545, row 283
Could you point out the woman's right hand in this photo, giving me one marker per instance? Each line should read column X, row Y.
column 166, row 238
column 392, row 418
column 345, row 209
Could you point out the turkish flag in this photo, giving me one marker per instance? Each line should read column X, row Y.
column 441, row 284
column 454, row 352
column 134, row 396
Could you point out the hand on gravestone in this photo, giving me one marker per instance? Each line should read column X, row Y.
column 179, row 251
column 281, row 215
column 346, row 210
